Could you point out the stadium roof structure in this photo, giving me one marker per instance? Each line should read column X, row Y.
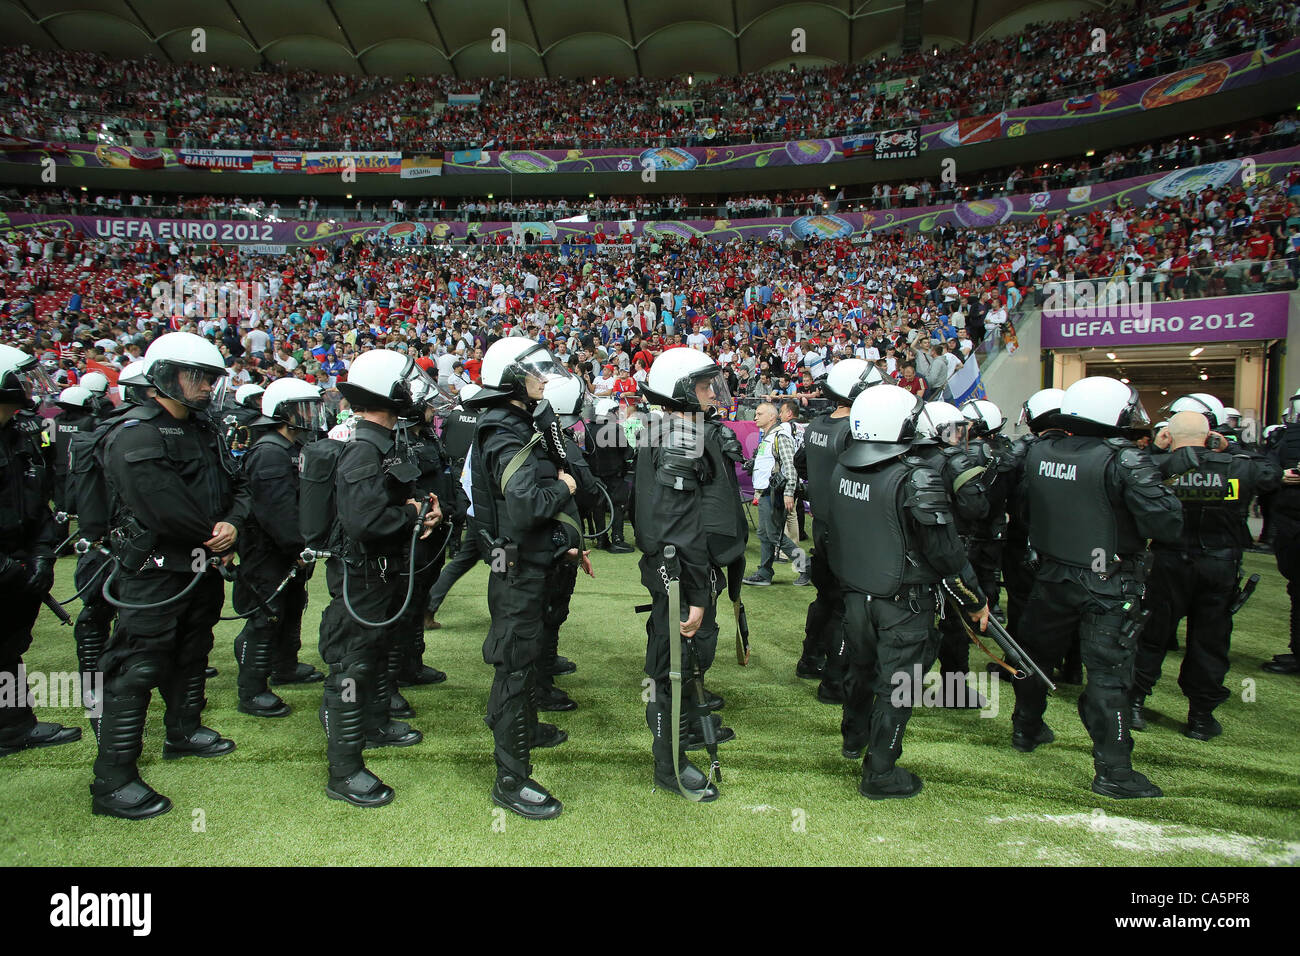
column 653, row 38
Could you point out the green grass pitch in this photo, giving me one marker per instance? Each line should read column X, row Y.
column 788, row 797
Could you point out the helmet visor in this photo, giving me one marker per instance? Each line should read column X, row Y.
column 711, row 391
column 307, row 415
column 429, row 395
column 36, row 384
column 540, row 364
column 194, row 386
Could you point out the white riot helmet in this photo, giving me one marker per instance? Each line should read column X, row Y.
column 22, row 380
column 187, row 368
column 605, row 407
column 687, row 380
column 848, row 378
column 74, row 398
column 1231, row 416
column 1271, row 430
column 1202, row 402
column 293, row 402
column 510, row 364
column 96, row 383
column 428, row 395
column 467, row 393
column 882, row 424
column 565, row 396
column 131, row 383
column 250, row 396
column 943, row 422
column 381, row 379
column 986, row 416
column 1103, row 406
column 1039, row 407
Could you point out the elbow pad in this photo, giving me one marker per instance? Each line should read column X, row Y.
column 1140, row 473
column 731, row 446
column 925, row 498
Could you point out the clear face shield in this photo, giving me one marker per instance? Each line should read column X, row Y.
column 304, row 416
column 536, row 367
column 1134, row 419
column 711, row 391
column 1293, row 410
column 431, row 397
column 195, row 387
column 37, row 385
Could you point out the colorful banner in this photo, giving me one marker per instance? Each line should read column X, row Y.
column 236, row 159
column 417, row 167
column 897, row 144
column 966, row 382
column 363, row 162
column 1022, row 210
column 1231, row 318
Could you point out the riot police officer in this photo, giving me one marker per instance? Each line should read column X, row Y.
column 565, row 396
column 176, row 508
column 687, row 497
column 75, row 401
column 947, row 449
column 88, row 497
column 895, row 551
column 101, row 406
column 989, row 446
column 1039, row 415
column 457, row 438
column 1093, row 498
column 269, row 549
column 824, row 439
column 236, row 421
column 377, row 520
column 1197, row 576
column 523, row 503
column 418, row 437
column 28, row 536
column 1284, row 519
column 610, row 462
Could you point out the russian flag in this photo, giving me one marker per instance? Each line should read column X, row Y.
column 1076, row 104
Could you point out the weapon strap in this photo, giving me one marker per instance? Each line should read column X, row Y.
column 966, row 476
column 516, row 462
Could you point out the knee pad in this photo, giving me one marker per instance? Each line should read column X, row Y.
column 140, row 677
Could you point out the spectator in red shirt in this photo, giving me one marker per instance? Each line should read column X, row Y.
column 911, row 381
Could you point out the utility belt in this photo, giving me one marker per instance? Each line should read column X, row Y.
column 916, row 596
column 1221, row 554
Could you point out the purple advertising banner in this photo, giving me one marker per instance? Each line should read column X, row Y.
column 1231, row 73
column 980, row 213
column 1231, row 318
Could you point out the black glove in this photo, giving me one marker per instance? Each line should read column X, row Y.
column 40, row 575
column 12, row 572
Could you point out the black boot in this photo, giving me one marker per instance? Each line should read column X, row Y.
column 381, row 729
column 694, row 781
column 398, row 706
column 296, row 673
column 693, row 736
column 42, row 735
column 117, row 790
column 1123, row 783
column 1025, row 737
column 882, row 778
column 344, row 720
column 253, row 655
column 616, row 543
column 554, row 700
column 515, row 789
column 829, row 692
column 416, row 673
column 1201, row 725
column 186, row 736
column 810, row 668
column 1137, row 719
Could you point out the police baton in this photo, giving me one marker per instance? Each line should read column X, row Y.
column 671, row 570
column 1243, row 594
column 57, row 608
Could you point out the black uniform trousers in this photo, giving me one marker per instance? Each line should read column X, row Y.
column 164, row 647
column 1198, row 586
column 886, row 637
column 356, row 687
column 1286, row 549
column 273, row 632
column 824, row 624
column 408, row 641
column 20, row 613
column 704, row 645
column 1019, row 581
column 513, row 648
column 620, row 496
column 1061, row 610
column 561, row 580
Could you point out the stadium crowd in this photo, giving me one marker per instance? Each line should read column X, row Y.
column 62, row 96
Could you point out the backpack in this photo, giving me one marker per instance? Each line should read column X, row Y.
column 317, row 510
column 87, row 487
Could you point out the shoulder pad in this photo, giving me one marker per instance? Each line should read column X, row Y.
column 1142, row 472
column 926, row 498
column 1119, row 443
